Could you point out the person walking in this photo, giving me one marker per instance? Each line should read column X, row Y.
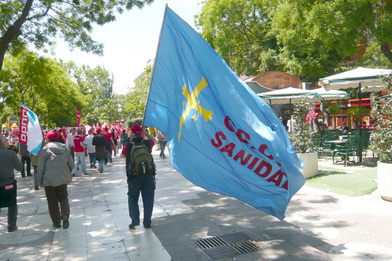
column 162, row 143
column 8, row 161
column 109, row 144
column 99, row 141
column 25, row 157
column 115, row 141
column 55, row 164
column 124, row 138
column 34, row 164
column 69, row 141
column 79, row 152
column 88, row 141
column 139, row 183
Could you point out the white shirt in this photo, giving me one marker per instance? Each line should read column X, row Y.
column 69, row 140
column 89, row 142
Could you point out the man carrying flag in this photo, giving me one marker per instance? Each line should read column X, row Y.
column 221, row 135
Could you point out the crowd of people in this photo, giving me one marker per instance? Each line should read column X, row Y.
column 62, row 156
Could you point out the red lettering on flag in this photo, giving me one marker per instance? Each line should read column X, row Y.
column 24, row 121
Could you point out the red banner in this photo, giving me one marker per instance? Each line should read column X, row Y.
column 78, row 117
column 24, row 121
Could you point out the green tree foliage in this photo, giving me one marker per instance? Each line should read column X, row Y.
column 38, row 21
column 318, row 36
column 306, row 38
column 238, row 30
column 135, row 101
column 301, row 136
column 381, row 143
column 96, row 85
column 43, row 84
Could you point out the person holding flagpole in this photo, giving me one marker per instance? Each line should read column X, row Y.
column 139, row 183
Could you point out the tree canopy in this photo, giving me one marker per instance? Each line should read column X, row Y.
column 53, row 89
column 135, row 100
column 306, row 38
column 238, row 30
column 43, row 84
column 39, row 21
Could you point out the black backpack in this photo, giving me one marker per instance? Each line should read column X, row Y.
column 140, row 160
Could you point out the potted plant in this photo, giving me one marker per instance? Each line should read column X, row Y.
column 381, row 139
column 302, row 140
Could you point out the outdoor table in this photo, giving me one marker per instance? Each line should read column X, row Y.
column 336, row 141
column 343, row 137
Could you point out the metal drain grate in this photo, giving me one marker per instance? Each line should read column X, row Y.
column 227, row 245
column 210, row 242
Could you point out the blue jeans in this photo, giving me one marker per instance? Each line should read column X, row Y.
column 80, row 157
column 144, row 184
column 162, row 144
column 101, row 163
column 93, row 158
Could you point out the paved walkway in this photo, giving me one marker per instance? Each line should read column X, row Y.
column 319, row 225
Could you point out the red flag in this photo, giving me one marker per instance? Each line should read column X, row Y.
column 78, row 117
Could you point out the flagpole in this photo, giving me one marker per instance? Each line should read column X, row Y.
column 155, row 60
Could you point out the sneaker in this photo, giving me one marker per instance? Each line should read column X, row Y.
column 56, row 226
column 65, row 221
column 132, row 226
column 12, row 229
column 148, row 227
column 100, row 170
column 36, row 188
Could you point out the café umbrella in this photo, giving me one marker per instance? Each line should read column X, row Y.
column 357, row 78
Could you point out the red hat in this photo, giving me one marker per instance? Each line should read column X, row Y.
column 137, row 129
column 98, row 130
column 52, row 135
column 91, row 130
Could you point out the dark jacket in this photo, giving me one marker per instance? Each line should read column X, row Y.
column 8, row 162
column 99, row 141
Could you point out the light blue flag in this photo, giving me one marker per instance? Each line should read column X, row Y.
column 30, row 130
column 222, row 137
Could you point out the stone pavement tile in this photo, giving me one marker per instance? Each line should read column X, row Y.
column 72, row 233
column 116, row 257
column 74, row 249
column 142, row 244
column 360, row 251
column 103, row 246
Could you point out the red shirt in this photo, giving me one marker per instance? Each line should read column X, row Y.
column 108, row 136
column 77, row 141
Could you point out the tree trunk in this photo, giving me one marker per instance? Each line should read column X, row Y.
column 386, row 51
column 13, row 31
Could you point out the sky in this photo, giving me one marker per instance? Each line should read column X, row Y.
column 130, row 41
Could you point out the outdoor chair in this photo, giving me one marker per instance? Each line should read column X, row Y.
column 327, row 148
column 347, row 149
column 365, row 141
